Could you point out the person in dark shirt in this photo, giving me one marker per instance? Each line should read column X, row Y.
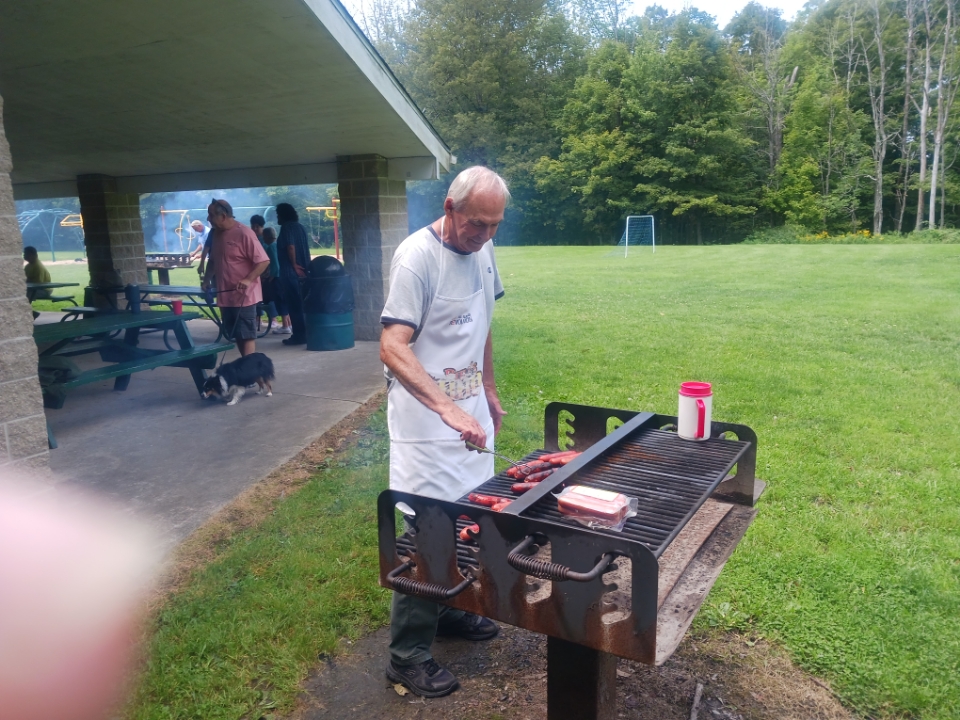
column 293, row 252
column 273, row 283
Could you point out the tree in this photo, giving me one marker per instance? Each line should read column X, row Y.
column 493, row 76
column 657, row 130
column 684, row 121
column 906, row 139
column 946, row 93
column 757, row 35
column 877, row 62
column 594, row 169
column 823, row 157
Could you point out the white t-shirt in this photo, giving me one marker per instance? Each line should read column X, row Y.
column 415, row 272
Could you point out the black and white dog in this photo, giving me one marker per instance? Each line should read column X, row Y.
column 231, row 381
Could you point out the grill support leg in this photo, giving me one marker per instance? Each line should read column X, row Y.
column 581, row 682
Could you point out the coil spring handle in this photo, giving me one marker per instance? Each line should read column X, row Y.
column 430, row 591
column 552, row 571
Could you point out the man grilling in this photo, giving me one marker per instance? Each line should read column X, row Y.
column 201, row 232
column 438, row 353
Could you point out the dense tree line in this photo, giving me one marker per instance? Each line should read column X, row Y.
column 840, row 121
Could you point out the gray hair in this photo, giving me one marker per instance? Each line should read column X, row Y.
column 476, row 179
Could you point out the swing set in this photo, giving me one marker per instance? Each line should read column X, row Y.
column 331, row 213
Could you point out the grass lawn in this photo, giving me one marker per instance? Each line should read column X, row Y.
column 842, row 358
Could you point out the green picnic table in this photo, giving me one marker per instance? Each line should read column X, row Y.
column 196, row 297
column 124, row 357
column 34, row 291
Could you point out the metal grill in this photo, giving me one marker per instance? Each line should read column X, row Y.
column 535, row 568
column 670, row 477
column 466, row 557
column 601, row 593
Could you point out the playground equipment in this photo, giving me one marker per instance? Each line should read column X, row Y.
column 182, row 215
column 183, row 230
column 49, row 219
column 331, row 213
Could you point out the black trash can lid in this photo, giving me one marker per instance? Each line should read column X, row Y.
column 325, row 266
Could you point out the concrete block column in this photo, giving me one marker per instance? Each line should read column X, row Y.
column 23, row 428
column 112, row 231
column 373, row 212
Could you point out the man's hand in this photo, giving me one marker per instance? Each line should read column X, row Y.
column 257, row 271
column 467, row 425
column 300, row 271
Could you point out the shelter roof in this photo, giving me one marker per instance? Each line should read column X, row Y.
column 192, row 94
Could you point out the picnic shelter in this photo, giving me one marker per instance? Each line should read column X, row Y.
column 109, row 100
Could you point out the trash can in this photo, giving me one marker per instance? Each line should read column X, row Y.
column 328, row 306
column 325, row 266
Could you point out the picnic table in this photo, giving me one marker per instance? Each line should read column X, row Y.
column 34, row 288
column 193, row 297
column 124, row 356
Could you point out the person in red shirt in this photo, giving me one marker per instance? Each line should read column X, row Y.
column 237, row 260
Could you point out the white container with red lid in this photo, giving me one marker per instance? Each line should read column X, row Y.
column 693, row 414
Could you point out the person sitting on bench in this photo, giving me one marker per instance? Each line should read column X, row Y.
column 36, row 273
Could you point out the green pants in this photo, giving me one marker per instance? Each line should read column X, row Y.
column 413, row 626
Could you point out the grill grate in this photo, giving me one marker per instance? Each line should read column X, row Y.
column 466, row 552
column 670, row 477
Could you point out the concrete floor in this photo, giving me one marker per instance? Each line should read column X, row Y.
column 173, row 459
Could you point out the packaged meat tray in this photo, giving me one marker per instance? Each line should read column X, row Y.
column 596, row 508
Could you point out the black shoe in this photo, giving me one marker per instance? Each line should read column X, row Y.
column 294, row 340
column 469, row 627
column 426, row 679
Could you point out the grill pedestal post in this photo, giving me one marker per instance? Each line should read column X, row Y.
column 581, row 682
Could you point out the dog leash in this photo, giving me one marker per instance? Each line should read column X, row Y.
column 209, row 298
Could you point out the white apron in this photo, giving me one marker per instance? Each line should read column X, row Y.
column 426, row 456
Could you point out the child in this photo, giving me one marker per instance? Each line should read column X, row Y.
column 271, row 281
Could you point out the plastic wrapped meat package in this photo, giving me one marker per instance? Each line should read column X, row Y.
column 596, row 508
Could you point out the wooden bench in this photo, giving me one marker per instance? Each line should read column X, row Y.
column 201, row 357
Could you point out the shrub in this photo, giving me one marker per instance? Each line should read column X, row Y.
column 796, row 235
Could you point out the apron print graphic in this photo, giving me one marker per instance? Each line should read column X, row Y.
column 461, row 384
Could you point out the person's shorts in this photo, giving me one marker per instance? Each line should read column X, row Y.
column 245, row 319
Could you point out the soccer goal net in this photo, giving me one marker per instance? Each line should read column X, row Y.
column 638, row 231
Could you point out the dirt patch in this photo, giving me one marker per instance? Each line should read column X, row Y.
column 256, row 503
column 506, row 678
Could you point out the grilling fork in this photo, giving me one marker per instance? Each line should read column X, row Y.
column 491, row 452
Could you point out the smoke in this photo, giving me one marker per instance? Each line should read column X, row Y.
column 425, row 201
column 169, row 230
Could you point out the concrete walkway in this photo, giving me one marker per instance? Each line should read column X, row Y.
column 175, row 459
